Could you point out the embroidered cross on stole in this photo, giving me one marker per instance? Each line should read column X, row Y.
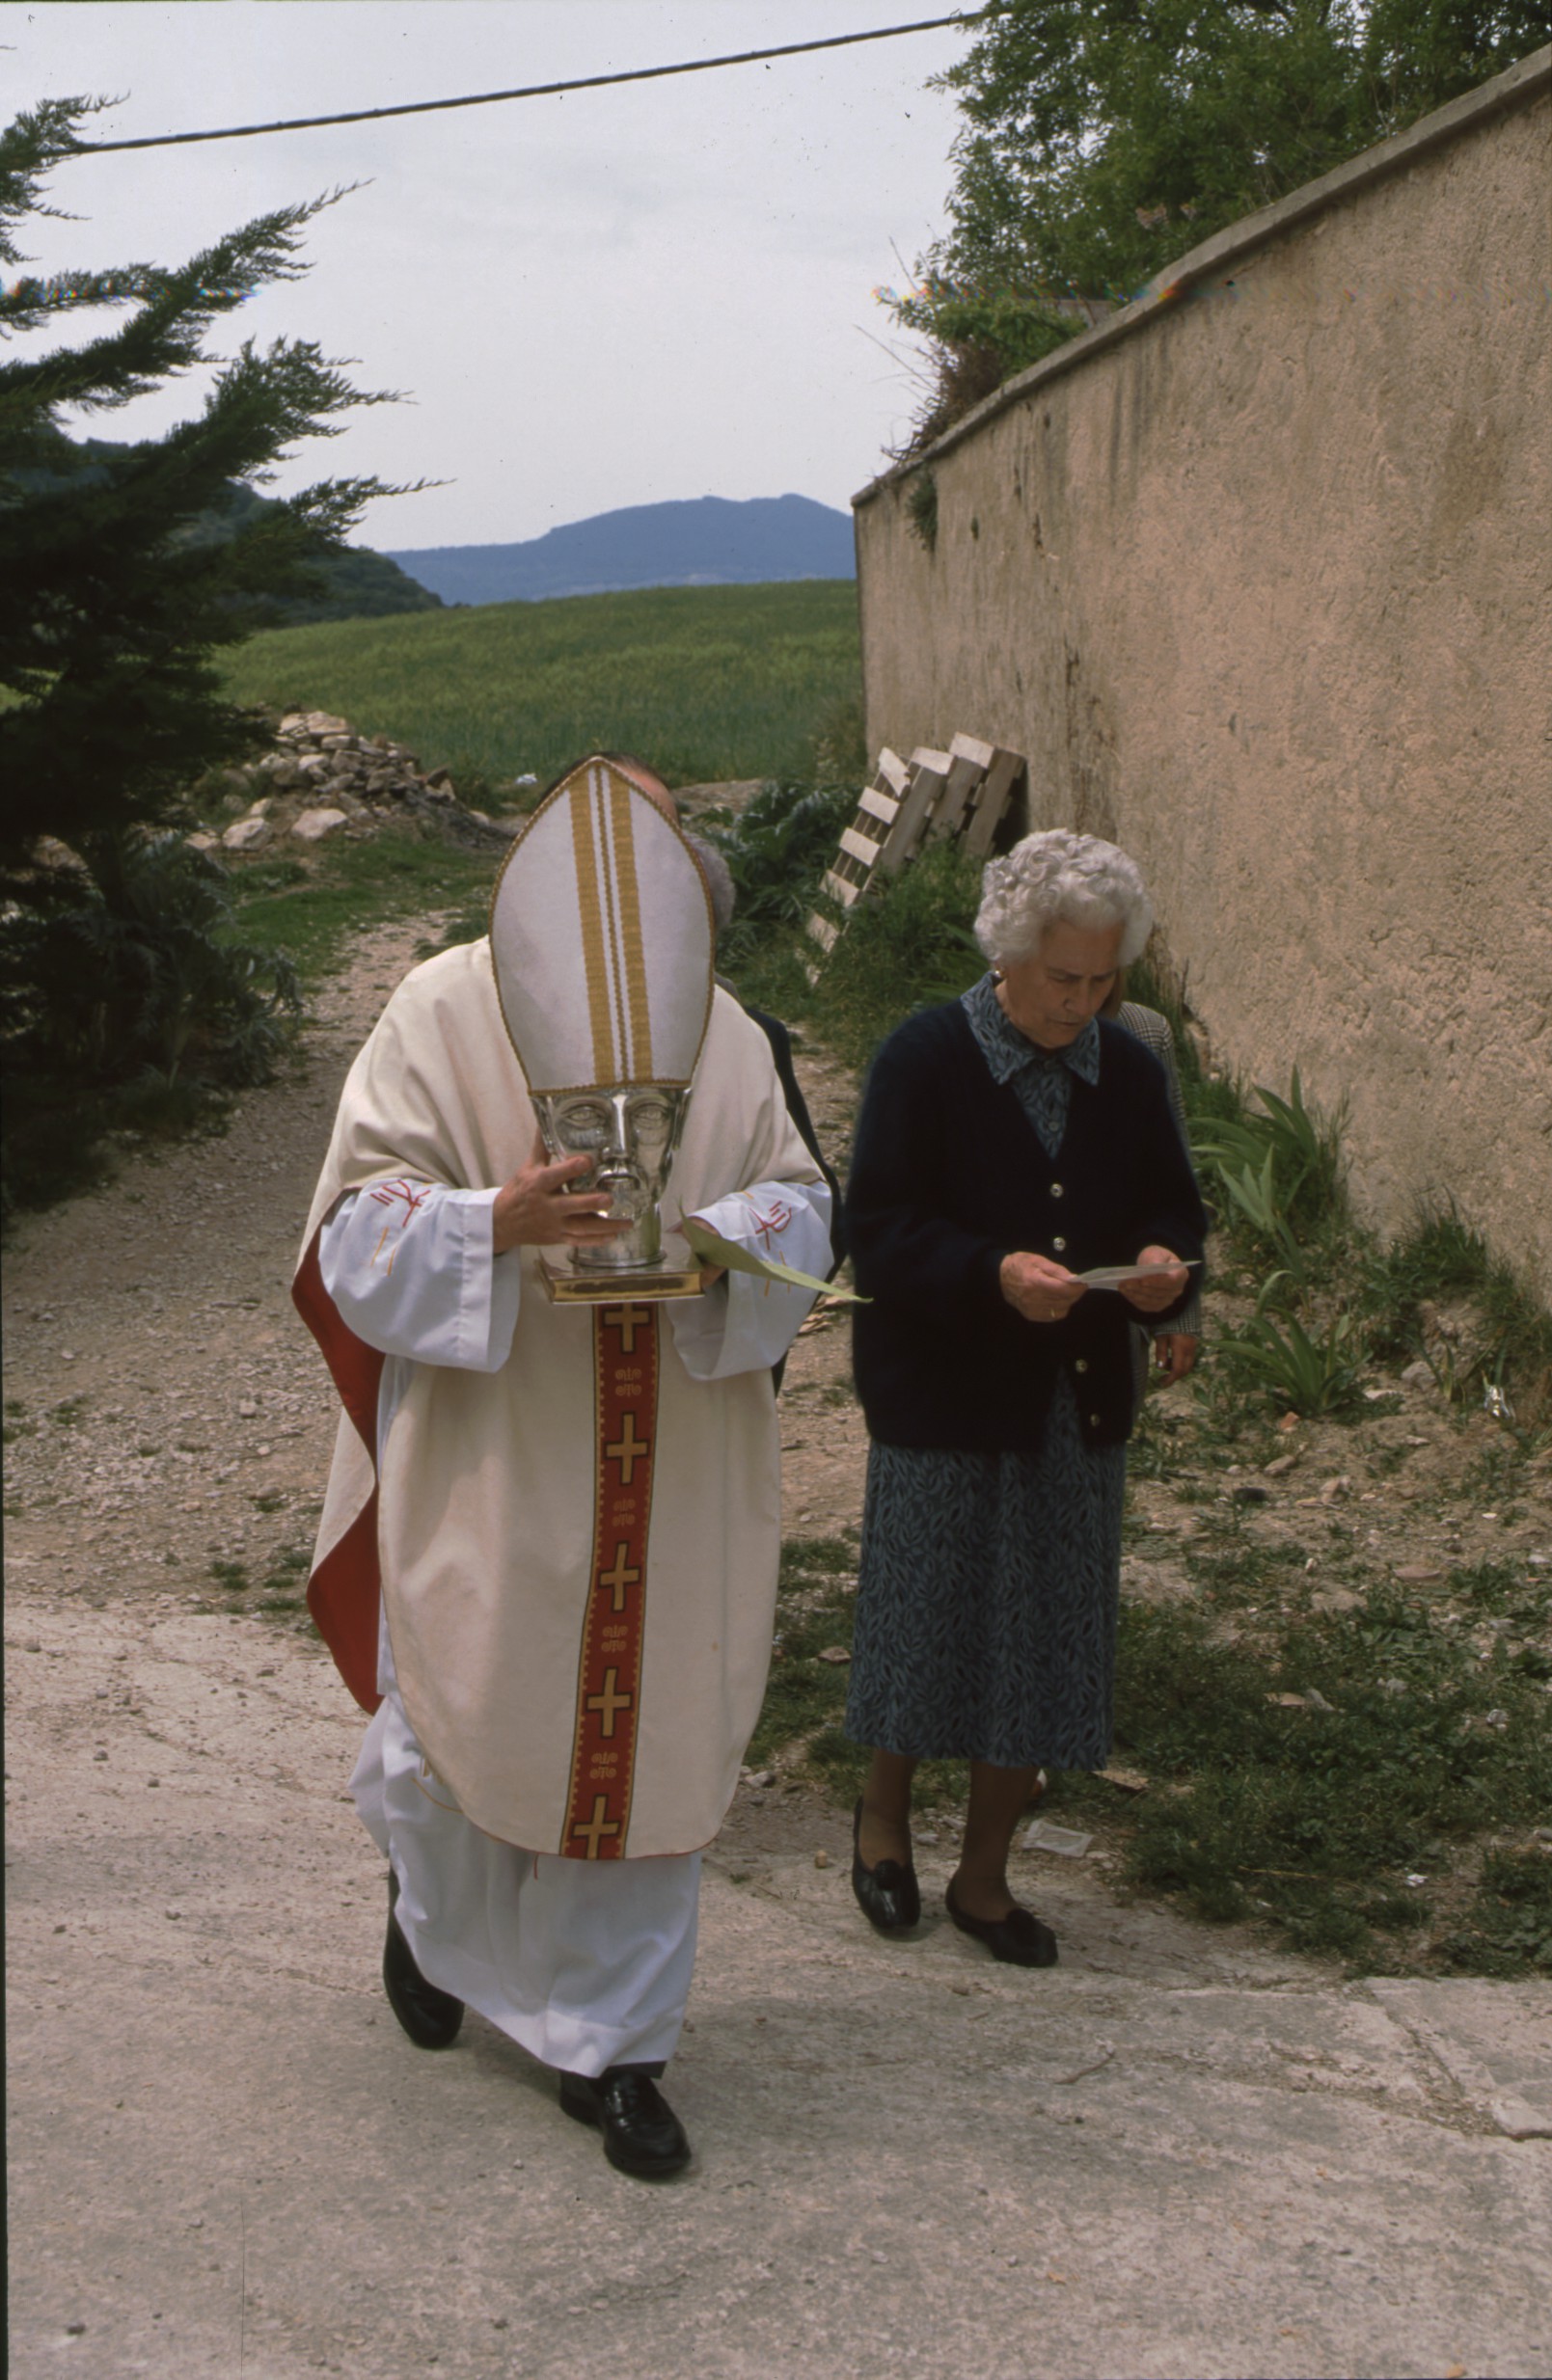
column 609, row 1671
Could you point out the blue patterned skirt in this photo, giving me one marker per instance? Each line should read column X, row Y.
column 985, row 1603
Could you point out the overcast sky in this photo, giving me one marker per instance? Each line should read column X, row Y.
column 611, row 298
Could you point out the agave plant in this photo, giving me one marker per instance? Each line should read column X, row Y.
column 1297, row 1370
column 774, row 853
column 1288, row 1144
column 1252, row 1194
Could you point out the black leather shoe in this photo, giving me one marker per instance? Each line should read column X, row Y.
column 889, row 1894
column 1019, row 1937
column 431, row 2018
column 641, row 2133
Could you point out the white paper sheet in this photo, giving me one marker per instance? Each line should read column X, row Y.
column 1111, row 1275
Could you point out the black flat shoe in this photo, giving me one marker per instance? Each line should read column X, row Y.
column 431, row 2018
column 889, row 1894
column 1019, row 1938
column 643, row 2135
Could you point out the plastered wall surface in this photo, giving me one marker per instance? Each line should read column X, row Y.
column 1262, row 589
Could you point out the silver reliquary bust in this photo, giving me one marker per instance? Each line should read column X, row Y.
column 602, row 940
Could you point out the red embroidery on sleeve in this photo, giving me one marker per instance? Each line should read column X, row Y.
column 773, row 1223
column 411, row 1194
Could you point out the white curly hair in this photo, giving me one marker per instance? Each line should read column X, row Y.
column 1061, row 877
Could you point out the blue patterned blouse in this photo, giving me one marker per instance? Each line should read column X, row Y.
column 1042, row 1079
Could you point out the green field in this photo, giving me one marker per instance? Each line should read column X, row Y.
column 704, row 682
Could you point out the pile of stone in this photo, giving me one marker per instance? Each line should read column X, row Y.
column 322, row 779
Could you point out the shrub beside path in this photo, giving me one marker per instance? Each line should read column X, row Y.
column 1180, row 2152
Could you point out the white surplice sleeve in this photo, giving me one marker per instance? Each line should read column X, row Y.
column 411, row 1267
column 744, row 1324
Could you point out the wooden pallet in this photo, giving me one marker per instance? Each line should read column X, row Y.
column 1005, row 776
column 863, row 842
column 962, row 792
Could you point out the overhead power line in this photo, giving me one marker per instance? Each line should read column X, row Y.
column 531, row 91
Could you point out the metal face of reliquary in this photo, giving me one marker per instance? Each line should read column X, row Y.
column 602, row 940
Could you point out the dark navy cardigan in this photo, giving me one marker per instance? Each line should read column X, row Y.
column 949, row 1176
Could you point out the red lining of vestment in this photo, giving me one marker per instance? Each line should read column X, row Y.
column 345, row 1593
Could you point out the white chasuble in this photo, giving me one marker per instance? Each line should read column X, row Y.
column 576, row 1534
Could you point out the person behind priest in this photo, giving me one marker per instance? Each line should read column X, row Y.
column 723, row 903
column 724, row 894
column 1177, row 1343
column 472, row 1481
column 1007, row 1142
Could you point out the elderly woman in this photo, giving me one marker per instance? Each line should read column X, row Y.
column 1008, row 1141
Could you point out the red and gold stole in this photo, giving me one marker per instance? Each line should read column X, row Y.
column 608, row 1672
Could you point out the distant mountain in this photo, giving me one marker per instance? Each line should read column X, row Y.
column 707, row 541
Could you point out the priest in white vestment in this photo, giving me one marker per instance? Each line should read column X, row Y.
column 548, row 1556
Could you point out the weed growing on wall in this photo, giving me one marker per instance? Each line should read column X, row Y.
column 922, row 508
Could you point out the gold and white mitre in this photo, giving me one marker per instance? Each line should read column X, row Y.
column 602, row 940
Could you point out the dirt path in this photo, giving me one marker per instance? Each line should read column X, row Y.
column 1176, row 2153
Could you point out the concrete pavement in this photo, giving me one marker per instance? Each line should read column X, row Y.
column 1176, row 2155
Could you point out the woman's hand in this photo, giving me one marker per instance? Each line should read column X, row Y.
column 534, row 1209
column 1151, row 1296
column 1038, row 1289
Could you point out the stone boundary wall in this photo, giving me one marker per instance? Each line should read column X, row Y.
column 1257, row 575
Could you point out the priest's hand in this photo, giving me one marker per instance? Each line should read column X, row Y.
column 1160, row 1290
column 710, row 1274
column 536, row 1208
column 1039, row 1289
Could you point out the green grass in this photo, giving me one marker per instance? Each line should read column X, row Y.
column 280, row 1595
column 1317, row 1817
column 902, row 948
column 1431, row 1758
column 284, row 1592
column 910, row 947
column 1442, row 1257
column 806, row 1697
column 312, row 913
column 704, row 682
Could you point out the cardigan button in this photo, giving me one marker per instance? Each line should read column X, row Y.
column 1059, row 1244
column 1094, row 1421
column 1082, row 1365
column 1055, row 1189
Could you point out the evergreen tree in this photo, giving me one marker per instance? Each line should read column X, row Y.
column 127, row 1003
column 1103, row 137
column 113, row 603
